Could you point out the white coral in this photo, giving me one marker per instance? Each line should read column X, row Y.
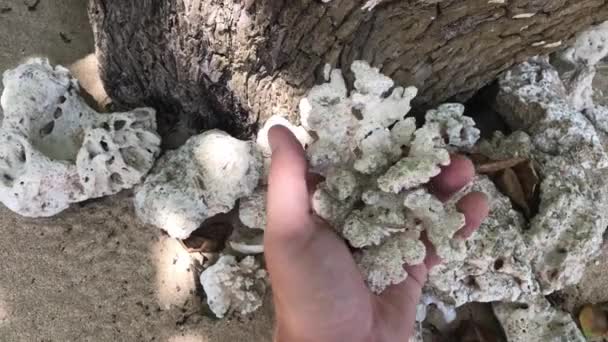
column 56, row 150
column 441, row 224
column 201, row 179
column 382, row 265
column 233, row 286
column 460, row 130
column 370, row 154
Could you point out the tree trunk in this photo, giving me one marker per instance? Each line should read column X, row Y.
column 230, row 63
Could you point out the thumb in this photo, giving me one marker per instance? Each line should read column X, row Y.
column 288, row 203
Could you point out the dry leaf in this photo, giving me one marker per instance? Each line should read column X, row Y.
column 508, row 182
column 478, row 158
column 211, row 236
column 529, row 180
column 498, row 165
column 594, row 321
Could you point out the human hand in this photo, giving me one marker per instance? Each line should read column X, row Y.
column 319, row 293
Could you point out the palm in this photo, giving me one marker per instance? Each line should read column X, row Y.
column 319, row 292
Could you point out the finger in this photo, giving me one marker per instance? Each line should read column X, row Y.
column 432, row 259
column 475, row 208
column 401, row 300
column 288, row 199
column 453, row 177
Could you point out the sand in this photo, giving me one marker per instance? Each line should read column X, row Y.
column 94, row 273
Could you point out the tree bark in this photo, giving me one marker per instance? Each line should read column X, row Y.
column 231, row 63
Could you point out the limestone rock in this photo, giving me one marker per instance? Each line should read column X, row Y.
column 56, row 150
column 536, row 321
column 538, row 105
column 572, row 217
column 201, row 179
column 234, row 286
column 252, row 210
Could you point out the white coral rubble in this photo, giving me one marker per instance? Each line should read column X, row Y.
column 536, row 321
column 234, row 286
column 201, row 179
column 567, row 230
column 374, row 160
column 56, row 150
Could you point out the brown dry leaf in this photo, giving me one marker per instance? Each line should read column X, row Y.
column 498, row 165
column 211, row 236
column 529, row 180
column 478, row 158
column 594, row 321
column 508, row 182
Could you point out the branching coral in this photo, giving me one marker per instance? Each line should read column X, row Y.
column 55, row 150
column 376, row 162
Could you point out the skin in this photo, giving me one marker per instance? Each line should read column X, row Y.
column 319, row 293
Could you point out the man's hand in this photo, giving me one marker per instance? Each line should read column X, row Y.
column 319, row 293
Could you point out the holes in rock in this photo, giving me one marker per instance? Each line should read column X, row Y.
column 359, row 205
column 199, row 182
column 480, row 108
column 110, row 161
column 132, row 157
column 58, row 113
column 86, row 179
column 138, row 125
column 470, row 281
column 8, row 178
column 105, row 126
column 141, row 113
column 119, row 124
column 47, row 129
column 357, row 113
column 22, row 156
column 498, row 264
column 62, row 99
column 104, row 146
column 552, row 274
column 116, row 178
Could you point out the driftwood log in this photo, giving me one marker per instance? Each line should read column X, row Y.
column 231, row 63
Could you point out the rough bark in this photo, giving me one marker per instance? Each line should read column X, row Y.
column 230, row 63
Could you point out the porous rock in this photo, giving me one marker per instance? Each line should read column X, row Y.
column 252, row 209
column 203, row 178
column 56, row 150
column 234, row 286
column 536, row 320
column 567, row 231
